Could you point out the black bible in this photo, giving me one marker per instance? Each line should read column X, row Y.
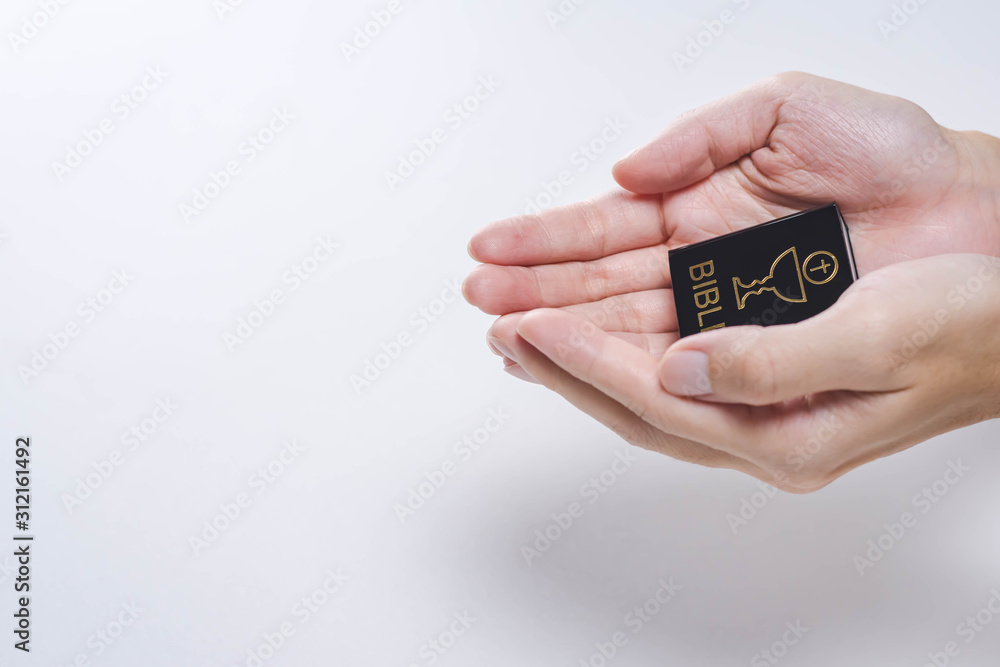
column 777, row 272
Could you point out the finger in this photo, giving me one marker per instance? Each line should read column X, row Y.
column 655, row 345
column 609, row 224
column 651, row 311
column 505, row 328
column 701, row 142
column 499, row 290
column 627, row 375
column 515, row 370
column 835, row 350
column 617, row 417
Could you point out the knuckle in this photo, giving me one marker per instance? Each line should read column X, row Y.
column 756, row 375
column 596, row 281
column 595, row 223
column 876, row 328
column 627, row 314
column 789, row 79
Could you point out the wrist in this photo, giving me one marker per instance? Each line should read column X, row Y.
column 989, row 332
column 979, row 159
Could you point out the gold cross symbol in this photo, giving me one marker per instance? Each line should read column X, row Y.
column 827, row 269
column 822, row 267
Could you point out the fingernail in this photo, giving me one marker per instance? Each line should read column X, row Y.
column 630, row 154
column 499, row 348
column 685, row 373
column 521, row 374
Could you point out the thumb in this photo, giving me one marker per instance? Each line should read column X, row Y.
column 763, row 365
column 702, row 141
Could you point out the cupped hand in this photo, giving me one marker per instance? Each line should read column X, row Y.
column 908, row 352
column 908, row 188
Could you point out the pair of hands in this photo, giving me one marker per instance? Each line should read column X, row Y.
column 910, row 351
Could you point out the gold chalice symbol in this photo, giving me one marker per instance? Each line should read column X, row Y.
column 789, row 275
column 786, row 275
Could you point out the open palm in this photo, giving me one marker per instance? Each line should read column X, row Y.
column 908, row 189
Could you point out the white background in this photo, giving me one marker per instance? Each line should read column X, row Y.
column 162, row 337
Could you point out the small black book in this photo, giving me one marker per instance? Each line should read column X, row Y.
column 778, row 272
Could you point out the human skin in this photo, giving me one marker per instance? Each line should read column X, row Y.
column 910, row 351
